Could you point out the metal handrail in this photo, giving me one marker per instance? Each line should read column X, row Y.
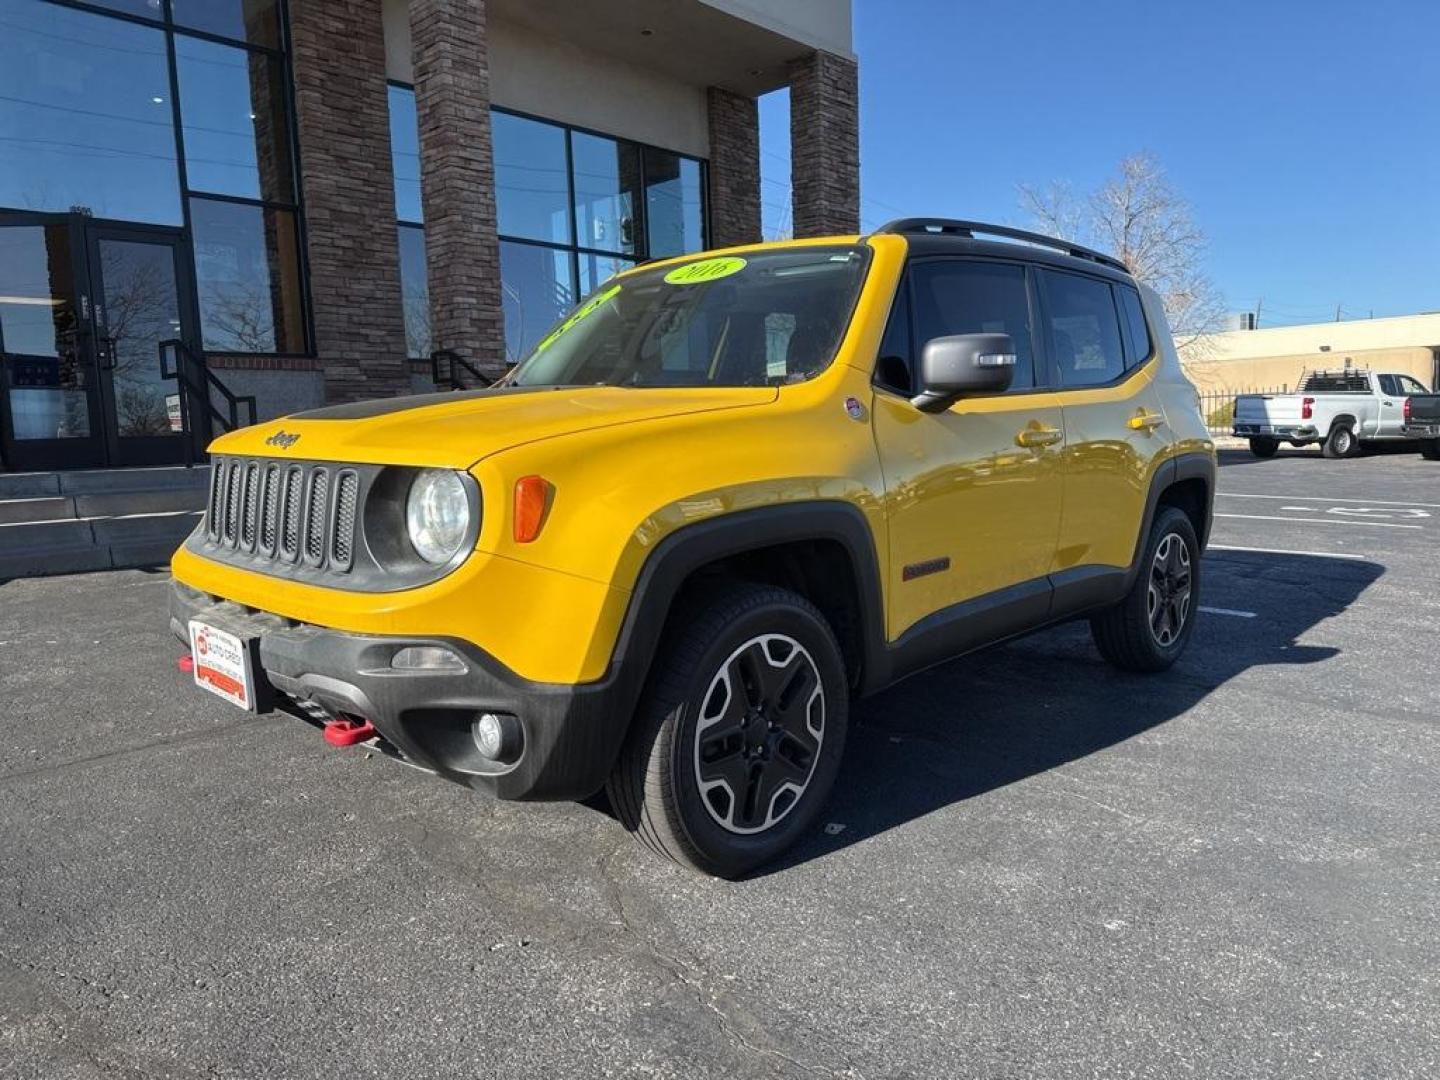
column 196, row 382
column 452, row 377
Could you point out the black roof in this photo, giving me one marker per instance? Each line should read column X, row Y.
column 934, row 236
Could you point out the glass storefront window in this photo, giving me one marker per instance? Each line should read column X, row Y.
column 253, row 21
column 85, row 115
column 247, row 274
column 405, row 154
column 532, row 191
column 607, row 188
column 595, row 269
column 535, row 290
column 415, row 291
column 232, row 106
column 674, row 207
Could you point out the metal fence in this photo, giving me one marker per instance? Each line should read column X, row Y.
column 1218, row 407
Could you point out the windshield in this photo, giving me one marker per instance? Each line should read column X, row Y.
column 761, row 319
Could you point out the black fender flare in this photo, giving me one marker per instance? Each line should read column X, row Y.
column 698, row 545
column 1189, row 466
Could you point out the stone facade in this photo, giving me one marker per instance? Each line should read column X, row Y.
column 338, row 51
column 452, row 98
column 734, row 168
column 824, row 145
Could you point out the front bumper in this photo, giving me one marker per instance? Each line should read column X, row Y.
column 1305, row 432
column 571, row 733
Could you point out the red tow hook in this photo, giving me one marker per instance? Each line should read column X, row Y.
column 186, row 664
column 349, row 732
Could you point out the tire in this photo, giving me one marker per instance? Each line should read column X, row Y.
column 1127, row 634
column 694, row 739
column 1430, row 450
column 1342, row 442
column 1262, row 447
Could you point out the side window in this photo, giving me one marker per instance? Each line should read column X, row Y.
column 893, row 367
column 1138, row 346
column 957, row 296
column 1084, row 329
column 1388, row 386
column 1410, row 386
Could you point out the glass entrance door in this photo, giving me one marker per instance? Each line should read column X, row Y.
column 137, row 291
column 84, row 306
column 49, row 384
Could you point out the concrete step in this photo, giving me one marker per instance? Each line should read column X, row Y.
column 148, row 501
column 42, row 508
column 92, row 481
column 28, row 485
column 32, row 549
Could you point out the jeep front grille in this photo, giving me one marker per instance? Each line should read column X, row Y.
column 285, row 513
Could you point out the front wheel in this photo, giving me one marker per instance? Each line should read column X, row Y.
column 1430, row 450
column 1149, row 629
column 1262, row 447
column 739, row 734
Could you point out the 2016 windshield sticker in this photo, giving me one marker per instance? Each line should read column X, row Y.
column 698, row 273
column 594, row 303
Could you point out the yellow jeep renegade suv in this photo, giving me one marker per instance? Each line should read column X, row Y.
column 725, row 496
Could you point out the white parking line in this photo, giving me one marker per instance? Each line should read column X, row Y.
column 1320, row 521
column 1326, row 499
column 1227, row 611
column 1285, row 551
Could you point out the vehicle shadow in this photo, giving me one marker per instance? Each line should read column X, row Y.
column 998, row 717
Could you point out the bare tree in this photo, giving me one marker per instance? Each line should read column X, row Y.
column 1144, row 222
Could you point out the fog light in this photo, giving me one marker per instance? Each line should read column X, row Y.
column 426, row 658
column 497, row 735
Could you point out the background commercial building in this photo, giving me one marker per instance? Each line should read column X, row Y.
column 311, row 197
column 1276, row 358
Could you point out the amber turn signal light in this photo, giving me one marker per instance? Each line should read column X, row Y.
column 532, row 498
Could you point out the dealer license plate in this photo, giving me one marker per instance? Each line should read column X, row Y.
column 223, row 664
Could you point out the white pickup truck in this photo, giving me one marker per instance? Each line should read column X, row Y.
column 1342, row 410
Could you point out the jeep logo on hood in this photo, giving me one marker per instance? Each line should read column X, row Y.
column 282, row 439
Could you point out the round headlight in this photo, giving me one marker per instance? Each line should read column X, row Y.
column 437, row 515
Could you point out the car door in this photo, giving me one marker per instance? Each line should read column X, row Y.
column 973, row 492
column 1115, row 431
column 1390, row 404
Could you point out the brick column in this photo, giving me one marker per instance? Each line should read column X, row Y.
column 734, row 168
column 457, row 179
column 824, row 145
column 338, row 48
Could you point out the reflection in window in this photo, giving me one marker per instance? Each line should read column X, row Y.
column 415, row 291
column 85, row 115
column 142, row 309
column 1084, row 329
column 252, row 21
column 247, row 274
column 405, row 153
column 47, row 396
column 535, row 292
column 607, row 184
column 232, row 104
column 532, row 194
column 673, row 208
column 595, row 269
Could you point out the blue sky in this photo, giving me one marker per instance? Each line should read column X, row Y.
column 1306, row 135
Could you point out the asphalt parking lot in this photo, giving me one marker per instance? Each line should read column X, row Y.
column 1033, row 866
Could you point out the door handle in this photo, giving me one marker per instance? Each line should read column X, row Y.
column 1038, row 436
column 1146, row 422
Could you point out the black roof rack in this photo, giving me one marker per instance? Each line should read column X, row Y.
column 953, row 227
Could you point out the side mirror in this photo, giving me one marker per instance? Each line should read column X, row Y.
column 963, row 365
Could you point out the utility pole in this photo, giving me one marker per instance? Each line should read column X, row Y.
column 1259, row 300
column 1337, row 312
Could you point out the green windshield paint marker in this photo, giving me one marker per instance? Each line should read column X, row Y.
column 697, row 273
column 583, row 310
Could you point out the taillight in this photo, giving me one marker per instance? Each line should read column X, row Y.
column 1306, row 408
column 1407, row 410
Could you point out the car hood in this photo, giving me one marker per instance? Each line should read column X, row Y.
column 455, row 430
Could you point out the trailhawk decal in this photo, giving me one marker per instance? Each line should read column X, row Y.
column 593, row 304
column 697, row 273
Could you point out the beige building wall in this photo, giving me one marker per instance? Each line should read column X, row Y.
column 1277, row 358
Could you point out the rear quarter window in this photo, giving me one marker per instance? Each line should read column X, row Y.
column 1138, row 346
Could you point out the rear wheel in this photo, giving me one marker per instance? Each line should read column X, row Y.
column 1430, row 450
column 1342, row 442
column 1262, row 447
column 1149, row 629
column 739, row 735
